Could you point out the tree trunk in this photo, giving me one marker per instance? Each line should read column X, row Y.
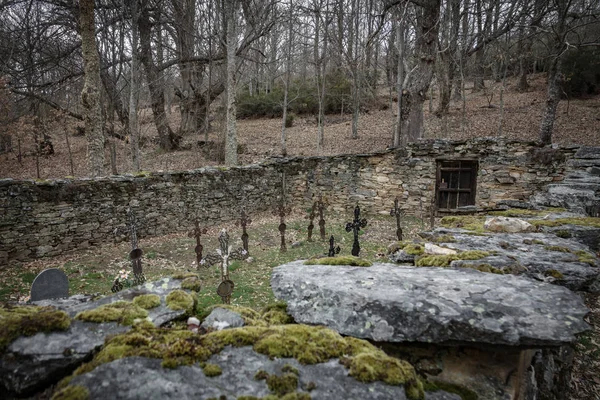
column 231, row 128
column 134, row 89
column 288, row 72
column 415, row 90
column 446, row 72
column 400, row 34
column 90, row 95
column 168, row 140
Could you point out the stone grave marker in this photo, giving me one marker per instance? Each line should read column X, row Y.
column 50, row 284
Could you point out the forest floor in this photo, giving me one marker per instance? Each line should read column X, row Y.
column 577, row 122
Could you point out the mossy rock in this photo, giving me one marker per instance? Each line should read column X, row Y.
column 273, row 314
column 123, row 312
column 555, row 274
column 191, row 283
column 74, row 392
column 445, row 260
column 563, row 234
column 485, row 268
column 147, row 301
column 463, row 392
column 180, row 300
column 524, row 213
column 340, row 260
column 583, row 221
column 468, row 222
column 307, row 344
column 211, row 370
column 442, row 239
column 29, row 320
column 585, row 257
column 560, row 249
column 185, row 275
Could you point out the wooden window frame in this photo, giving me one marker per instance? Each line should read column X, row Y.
column 471, row 165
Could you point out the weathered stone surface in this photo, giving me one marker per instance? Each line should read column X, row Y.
column 31, row 363
column 541, row 256
column 51, row 283
column 143, row 378
column 221, row 318
column 401, row 257
column 431, row 248
column 505, row 224
column 393, row 303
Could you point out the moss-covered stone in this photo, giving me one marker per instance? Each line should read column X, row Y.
column 29, row 320
column 211, row 370
column 284, row 384
column 537, row 241
column 147, row 301
column 191, row 283
column 307, row 344
column 554, row 273
column 563, row 234
column 340, row 260
column 445, row 260
column 123, row 312
column 180, row 300
column 185, row 275
column 524, row 213
column 463, row 392
column 560, row 249
column 484, row 267
column 72, row 392
column 583, row 221
column 468, row 222
column 413, row 249
column 442, row 239
column 585, row 257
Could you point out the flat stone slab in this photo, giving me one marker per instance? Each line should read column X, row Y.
column 33, row 362
column 144, row 378
column 392, row 303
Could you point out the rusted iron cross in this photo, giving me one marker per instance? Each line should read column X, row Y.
column 244, row 222
column 397, row 212
column 222, row 255
column 282, row 211
column 321, row 207
column 196, row 233
column 355, row 227
column 333, row 250
column 135, row 255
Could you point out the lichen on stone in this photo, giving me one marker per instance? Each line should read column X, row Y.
column 445, row 260
column 340, row 260
column 180, row 300
column 72, row 392
column 147, row 301
column 29, row 320
column 122, row 312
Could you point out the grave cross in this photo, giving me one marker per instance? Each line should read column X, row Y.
column 333, row 250
column 244, row 222
column 321, row 207
column 223, row 254
column 355, row 227
column 397, row 212
column 135, row 255
column 311, row 218
column 196, row 233
column 281, row 211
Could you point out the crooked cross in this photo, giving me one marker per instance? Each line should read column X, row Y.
column 333, row 250
column 397, row 212
column 244, row 222
column 355, row 227
column 281, row 211
column 196, row 233
column 321, row 207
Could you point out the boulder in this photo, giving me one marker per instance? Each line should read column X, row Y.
column 391, row 303
column 401, row 257
column 31, row 363
column 506, row 224
column 434, row 249
column 221, row 318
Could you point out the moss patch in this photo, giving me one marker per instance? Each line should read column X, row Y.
column 341, row 260
column 443, row 239
column 191, row 283
column 584, row 221
column 123, row 312
column 554, row 273
column 284, row 384
column 445, row 260
column 521, row 213
column 585, row 257
column 180, row 300
column 563, row 234
column 467, row 222
column 185, row 275
column 211, row 370
column 560, row 249
column 147, row 301
column 413, row 249
column 74, row 392
column 307, row 344
column 463, row 392
column 29, row 320
column 485, row 268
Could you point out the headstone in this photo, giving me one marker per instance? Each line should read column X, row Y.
column 50, row 284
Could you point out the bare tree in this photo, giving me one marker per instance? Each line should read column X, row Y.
column 230, row 10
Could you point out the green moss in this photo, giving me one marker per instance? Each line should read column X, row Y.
column 276, row 314
column 443, row 239
column 584, row 221
column 307, row 344
column 521, row 213
column 563, row 234
column 191, row 283
column 261, row 375
column 463, row 392
column 211, row 370
column 413, row 249
column 29, row 320
column 284, row 384
column 484, row 268
column 537, row 241
column 468, row 222
column 123, row 312
column 585, row 257
column 180, row 300
column 142, row 174
column 445, row 260
column 289, row 368
column 74, row 392
column 341, row 260
column 560, row 249
column 554, row 273
column 185, row 275
column 147, row 301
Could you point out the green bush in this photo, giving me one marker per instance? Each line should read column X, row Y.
column 582, row 72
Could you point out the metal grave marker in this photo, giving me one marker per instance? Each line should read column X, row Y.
column 50, row 284
column 321, row 207
column 135, row 255
column 196, row 233
column 397, row 212
column 244, row 222
column 333, row 250
column 311, row 218
column 355, row 227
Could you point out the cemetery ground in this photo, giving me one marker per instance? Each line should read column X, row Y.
column 93, row 270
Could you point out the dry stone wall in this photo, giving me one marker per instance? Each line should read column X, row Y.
column 51, row 217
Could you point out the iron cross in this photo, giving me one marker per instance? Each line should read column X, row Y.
column 321, row 207
column 333, row 250
column 397, row 212
column 244, row 222
column 355, row 227
column 281, row 211
column 196, row 233
column 135, row 255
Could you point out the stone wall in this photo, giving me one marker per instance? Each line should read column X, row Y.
column 47, row 218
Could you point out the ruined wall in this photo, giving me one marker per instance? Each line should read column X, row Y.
column 47, row 218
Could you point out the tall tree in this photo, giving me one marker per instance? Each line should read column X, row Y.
column 230, row 10
column 134, row 88
column 90, row 95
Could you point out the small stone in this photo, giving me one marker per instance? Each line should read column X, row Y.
column 506, row 224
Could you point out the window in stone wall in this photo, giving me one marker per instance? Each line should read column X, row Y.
column 456, row 183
